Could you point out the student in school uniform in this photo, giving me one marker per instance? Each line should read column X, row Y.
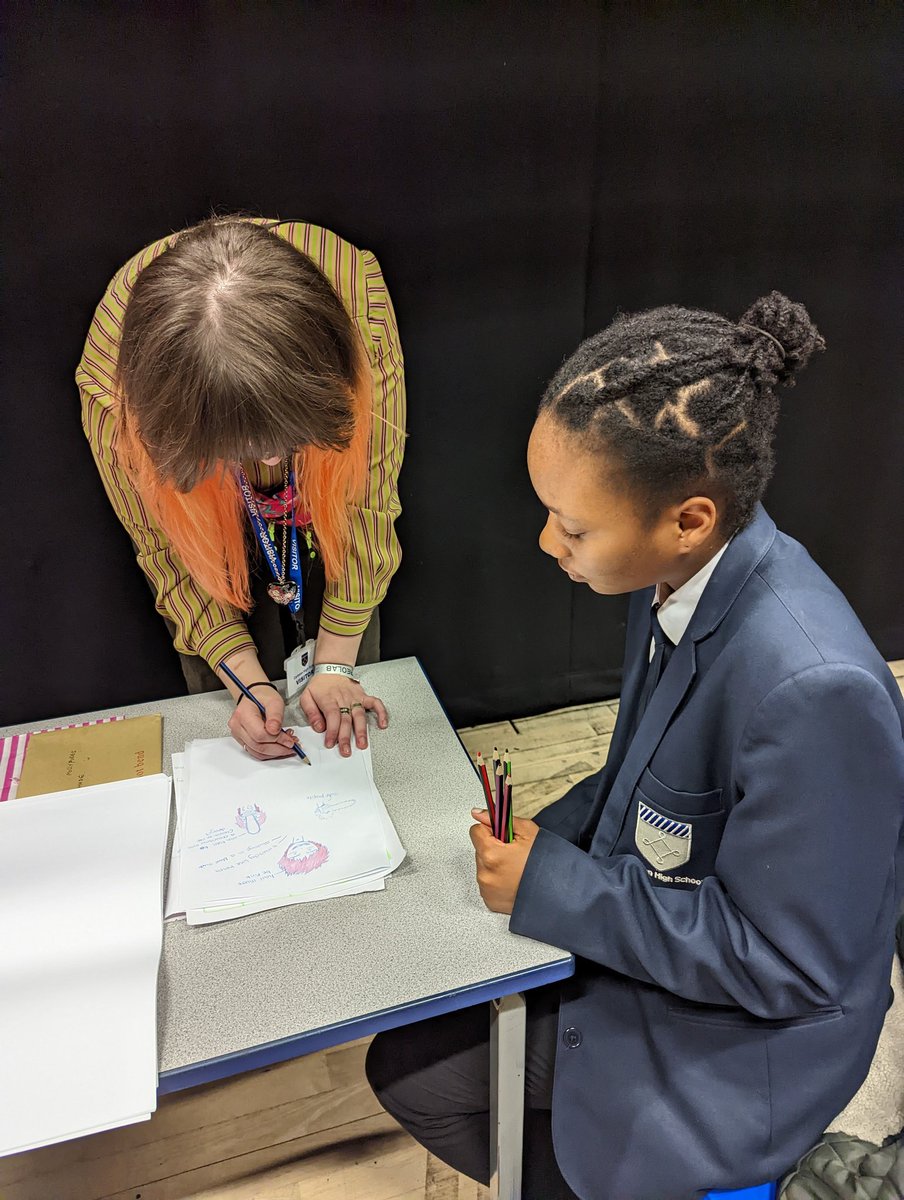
column 729, row 881
column 243, row 395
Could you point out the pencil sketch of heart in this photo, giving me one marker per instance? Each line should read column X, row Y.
column 301, row 857
column 250, row 817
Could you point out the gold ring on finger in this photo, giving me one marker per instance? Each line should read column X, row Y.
column 345, row 710
column 357, row 704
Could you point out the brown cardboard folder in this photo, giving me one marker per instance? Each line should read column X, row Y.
column 59, row 759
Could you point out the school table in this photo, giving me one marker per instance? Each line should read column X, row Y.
column 276, row 985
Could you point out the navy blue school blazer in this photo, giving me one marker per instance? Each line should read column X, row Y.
column 728, row 884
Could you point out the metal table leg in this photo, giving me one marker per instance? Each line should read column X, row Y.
column 507, row 1036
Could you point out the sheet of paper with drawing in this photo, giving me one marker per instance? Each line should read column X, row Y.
column 260, row 835
column 174, row 904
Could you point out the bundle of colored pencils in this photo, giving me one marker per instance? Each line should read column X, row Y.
column 497, row 790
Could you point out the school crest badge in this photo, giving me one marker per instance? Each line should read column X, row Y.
column 663, row 842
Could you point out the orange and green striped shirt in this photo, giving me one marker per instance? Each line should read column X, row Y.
column 203, row 625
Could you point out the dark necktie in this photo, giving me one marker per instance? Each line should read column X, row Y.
column 662, row 652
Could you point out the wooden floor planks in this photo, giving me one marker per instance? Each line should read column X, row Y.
column 551, row 751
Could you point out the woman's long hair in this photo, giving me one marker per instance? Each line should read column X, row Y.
column 235, row 346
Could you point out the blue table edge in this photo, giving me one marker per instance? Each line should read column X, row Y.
column 177, row 1079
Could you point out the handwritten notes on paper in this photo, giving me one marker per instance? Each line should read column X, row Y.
column 258, row 835
column 83, row 755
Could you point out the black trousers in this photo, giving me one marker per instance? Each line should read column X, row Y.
column 434, row 1078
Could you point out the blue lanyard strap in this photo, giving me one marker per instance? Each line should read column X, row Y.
column 267, row 543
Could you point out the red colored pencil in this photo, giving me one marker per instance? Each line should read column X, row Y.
column 488, row 795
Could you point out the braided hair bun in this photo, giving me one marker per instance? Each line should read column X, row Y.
column 781, row 339
column 683, row 400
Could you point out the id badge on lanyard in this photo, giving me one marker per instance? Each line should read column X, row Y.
column 290, row 582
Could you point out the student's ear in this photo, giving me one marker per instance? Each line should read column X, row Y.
column 697, row 519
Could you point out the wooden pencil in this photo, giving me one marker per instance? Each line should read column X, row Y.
column 499, row 801
column 509, row 814
column 488, row 795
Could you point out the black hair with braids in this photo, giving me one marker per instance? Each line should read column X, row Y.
column 684, row 400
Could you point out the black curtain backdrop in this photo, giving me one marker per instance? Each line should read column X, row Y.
column 523, row 172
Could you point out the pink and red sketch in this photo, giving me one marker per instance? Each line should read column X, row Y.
column 301, row 857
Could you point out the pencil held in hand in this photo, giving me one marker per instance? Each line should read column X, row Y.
column 263, row 712
column 487, row 794
column 496, row 779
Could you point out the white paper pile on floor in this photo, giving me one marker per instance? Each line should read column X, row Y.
column 81, row 880
column 257, row 835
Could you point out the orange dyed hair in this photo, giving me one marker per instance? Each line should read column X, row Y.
column 234, row 347
column 208, row 526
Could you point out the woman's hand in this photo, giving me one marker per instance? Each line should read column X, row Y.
column 339, row 706
column 262, row 737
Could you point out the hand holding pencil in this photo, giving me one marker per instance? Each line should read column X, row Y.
column 501, row 840
column 281, row 742
column 497, row 788
column 500, row 865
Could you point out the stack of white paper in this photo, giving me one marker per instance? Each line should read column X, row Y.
column 81, row 876
column 257, row 835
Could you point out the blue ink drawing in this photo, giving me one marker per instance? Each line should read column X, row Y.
column 326, row 807
column 250, row 817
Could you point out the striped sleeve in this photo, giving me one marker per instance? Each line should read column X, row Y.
column 374, row 552
column 202, row 625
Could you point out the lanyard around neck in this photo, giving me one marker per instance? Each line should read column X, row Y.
column 267, row 543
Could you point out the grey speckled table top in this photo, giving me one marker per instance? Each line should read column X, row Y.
column 229, row 988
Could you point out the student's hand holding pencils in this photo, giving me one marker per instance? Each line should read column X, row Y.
column 500, row 865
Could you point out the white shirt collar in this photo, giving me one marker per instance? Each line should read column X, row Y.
column 676, row 610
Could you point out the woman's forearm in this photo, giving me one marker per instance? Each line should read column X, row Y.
column 246, row 665
column 334, row 648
